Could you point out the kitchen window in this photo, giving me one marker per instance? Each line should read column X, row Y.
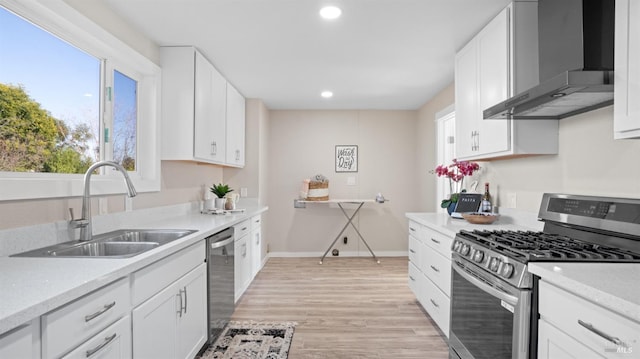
column 93, row 97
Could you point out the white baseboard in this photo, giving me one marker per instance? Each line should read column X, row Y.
column 342, row 254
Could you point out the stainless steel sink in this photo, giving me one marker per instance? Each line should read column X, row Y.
column 104, row 249
column 122, row 243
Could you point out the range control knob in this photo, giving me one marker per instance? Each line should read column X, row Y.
column 465, row 250
column 478, row 256
column 456, row 246
column 494, row 263
column 507, row 270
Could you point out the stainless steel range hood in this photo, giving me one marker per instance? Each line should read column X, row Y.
column 575, row 52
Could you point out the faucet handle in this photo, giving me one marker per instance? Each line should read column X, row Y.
column 77, row 223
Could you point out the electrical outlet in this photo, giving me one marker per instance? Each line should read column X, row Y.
column 103, row 205
column 512, row 200
column 243, row 191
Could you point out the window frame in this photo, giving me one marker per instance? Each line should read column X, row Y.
column 61, row 20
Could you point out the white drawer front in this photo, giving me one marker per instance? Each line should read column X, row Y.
column 439, row 242
column 436, row 303
column 414, row 279
column 414, row 250
column 437, row 268
column 416, row 230
column 256, row 221
column 565, row 310
column 242, row 229
column 74, row 323
column 155, row 277
column 112, row 343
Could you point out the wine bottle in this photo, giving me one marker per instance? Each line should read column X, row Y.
column 485, row 205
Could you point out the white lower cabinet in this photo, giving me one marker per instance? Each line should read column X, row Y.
column 256, row 245
column 574, row 327
column 172, row 324
column 242, row 258
column 76, row 323
column 22, row 342
column 430, row 271
column 114, row 342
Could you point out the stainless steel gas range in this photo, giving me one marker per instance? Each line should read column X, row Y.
column 493, row 295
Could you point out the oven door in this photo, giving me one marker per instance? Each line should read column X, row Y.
column 489, row 317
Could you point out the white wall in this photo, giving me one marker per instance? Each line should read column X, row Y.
column 302, row 144
column 589, row 162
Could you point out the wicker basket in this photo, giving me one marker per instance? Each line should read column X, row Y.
column 318, row 185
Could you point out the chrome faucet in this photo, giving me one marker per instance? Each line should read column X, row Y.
column 84, row 223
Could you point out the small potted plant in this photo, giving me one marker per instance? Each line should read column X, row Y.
column 456, row 173
column 220, row 190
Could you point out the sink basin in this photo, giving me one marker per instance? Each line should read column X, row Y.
column 160, row 236
column 122, row 243
column 104, row 249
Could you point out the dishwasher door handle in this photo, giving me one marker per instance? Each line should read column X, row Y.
column 223, row 243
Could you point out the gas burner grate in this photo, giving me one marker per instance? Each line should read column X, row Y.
column 528, row 246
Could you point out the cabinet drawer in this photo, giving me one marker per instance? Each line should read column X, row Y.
column 414, row 250
column 155, row 277
column 437, row 268
column 414, row 279
column 567, row 311
column 256, row 221
column 436, row 303
column 416, row 230
column 242, row 229
column 74, row 323
column 438, row 241
column 113, row 342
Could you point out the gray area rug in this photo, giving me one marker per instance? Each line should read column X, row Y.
column 252, row 340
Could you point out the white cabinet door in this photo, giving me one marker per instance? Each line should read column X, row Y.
column 242, row 263
column 256, row 251
column 466, row 97
column 22, row 342
column 235, row 127
column 555, row 344
column 154, row 325
column 210, row 112
column 626, row 106
column 493, row 83
column 172, row 324
column 192, row 322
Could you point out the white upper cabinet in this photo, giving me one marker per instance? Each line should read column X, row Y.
column 235, row 127
column 500, row 61
column 202, row 114
column 626, row 107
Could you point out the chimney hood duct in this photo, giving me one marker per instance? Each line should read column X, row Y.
column 575, row 50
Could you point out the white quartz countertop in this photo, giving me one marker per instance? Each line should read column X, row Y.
column 450, row 226
column 30, row 287
column 615, row 286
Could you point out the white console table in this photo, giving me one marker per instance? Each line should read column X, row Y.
column 340, row 203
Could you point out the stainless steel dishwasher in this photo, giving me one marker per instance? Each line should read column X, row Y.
column 220, row 282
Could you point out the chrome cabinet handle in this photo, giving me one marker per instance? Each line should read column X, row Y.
column 435, row 269
column 412, row 251
column 413, row 279
column 179, row 311
column 214, row 148
column 610, row 338
column 244, row 250
column 434, row 303
column 412, row 229
column 106, row 342
column 93, row 316
column 237, row 155
column 244, row 229
column 185, row 300
column 435, row 241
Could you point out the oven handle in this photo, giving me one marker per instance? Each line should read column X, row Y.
column 486, row 287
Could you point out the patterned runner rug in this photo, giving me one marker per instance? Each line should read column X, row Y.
column 252, row 340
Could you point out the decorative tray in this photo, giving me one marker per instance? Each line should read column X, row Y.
column 480, row 218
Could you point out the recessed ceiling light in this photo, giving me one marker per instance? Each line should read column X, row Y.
column 327, row 94
column 330, row 12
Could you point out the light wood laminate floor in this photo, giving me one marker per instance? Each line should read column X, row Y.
column 345, row 308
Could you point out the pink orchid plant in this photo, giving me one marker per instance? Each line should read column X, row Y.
column 456, row 172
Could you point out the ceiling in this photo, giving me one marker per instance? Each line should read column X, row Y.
column 380, row 54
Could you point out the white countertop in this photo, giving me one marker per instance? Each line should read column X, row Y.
column 615, row 286
column 450, row 226
column 30, row 287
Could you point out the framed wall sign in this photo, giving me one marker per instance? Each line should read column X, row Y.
column 347, row 158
